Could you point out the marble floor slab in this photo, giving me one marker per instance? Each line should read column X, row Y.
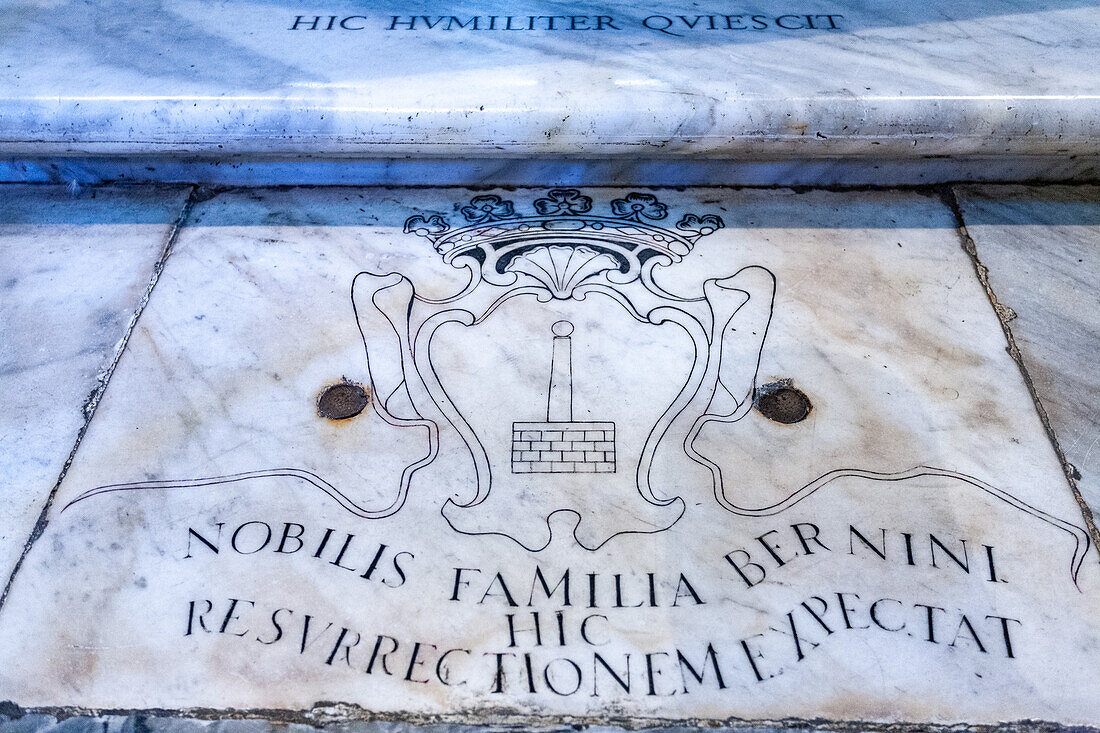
column 565, row 455
column 74, row 268
column 1042, row 248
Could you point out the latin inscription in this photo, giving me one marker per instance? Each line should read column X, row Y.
column 670, row 25
column 565, row 632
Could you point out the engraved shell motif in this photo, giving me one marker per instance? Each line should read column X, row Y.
column 561, row 268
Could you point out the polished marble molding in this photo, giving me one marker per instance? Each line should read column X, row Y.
column 869, row 79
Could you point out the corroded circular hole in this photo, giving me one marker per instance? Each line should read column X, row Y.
column 341, row 401
column 783, row 404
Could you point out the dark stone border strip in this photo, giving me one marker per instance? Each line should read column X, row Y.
column 342, row 718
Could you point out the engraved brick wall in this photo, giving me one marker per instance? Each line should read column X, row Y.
column 563, row 447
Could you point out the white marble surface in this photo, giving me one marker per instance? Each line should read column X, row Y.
column 407, row 532
column 73, row 270
column 1041, row 246
column 891, row 79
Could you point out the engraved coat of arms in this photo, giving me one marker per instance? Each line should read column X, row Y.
column 608, row 375
column 570, row 376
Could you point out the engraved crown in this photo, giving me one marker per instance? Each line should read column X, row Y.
column 565, row 217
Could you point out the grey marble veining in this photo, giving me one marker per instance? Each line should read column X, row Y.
column 1042, row 248
column 819, row 79
column 73, row 270
column 573, row 493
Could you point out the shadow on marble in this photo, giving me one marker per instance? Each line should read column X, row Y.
column 637, row 171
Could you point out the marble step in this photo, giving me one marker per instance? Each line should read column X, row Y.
column 833, row 495
column 818, row 80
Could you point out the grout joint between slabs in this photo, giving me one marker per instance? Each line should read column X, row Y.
column 1005, row 315
column 103, row 378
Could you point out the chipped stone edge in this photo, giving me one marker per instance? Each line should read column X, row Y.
column 1005, row 315
column 102, row 379
column 330, row 714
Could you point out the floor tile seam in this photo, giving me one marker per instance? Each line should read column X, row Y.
column 103, row 378
column 1005, row 315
